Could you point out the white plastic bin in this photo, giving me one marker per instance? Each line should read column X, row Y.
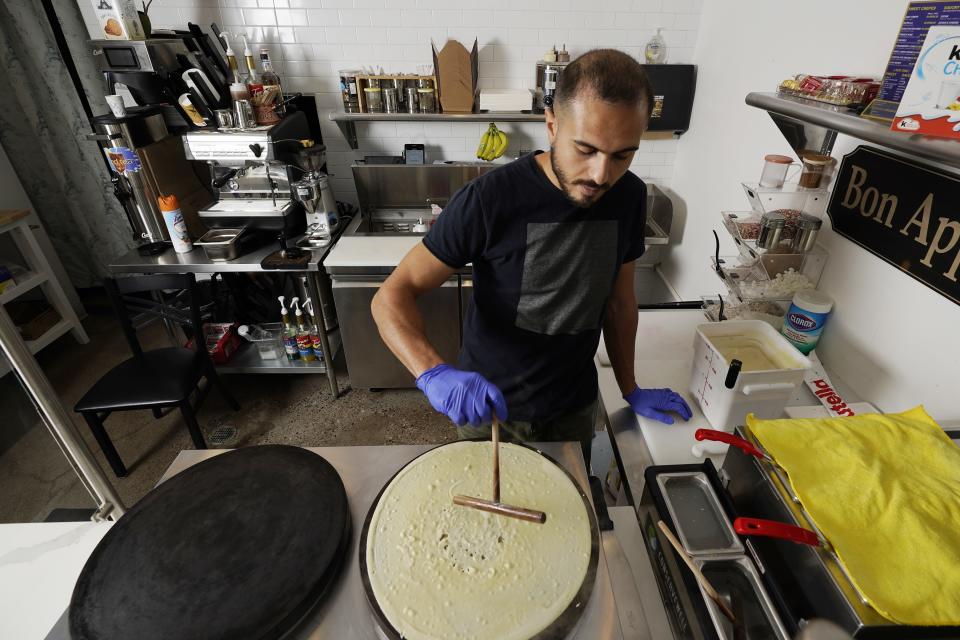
column 772, row 370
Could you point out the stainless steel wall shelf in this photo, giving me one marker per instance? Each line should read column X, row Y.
column 810, row 125
column 347, row 121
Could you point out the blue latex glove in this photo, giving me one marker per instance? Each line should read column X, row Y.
column 652, row 403
column 466, row 397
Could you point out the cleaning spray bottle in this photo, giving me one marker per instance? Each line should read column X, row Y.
column 304, row 345
column 289, row 333
column 314, row 331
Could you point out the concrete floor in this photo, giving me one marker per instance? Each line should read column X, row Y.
column 289, row 409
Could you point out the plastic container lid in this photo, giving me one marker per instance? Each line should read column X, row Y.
column 813, row 301
column 807, row 221
column 817, row 159
column 778, row 159
column 773, row 220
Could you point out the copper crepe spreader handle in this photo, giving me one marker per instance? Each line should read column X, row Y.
column 495, row 506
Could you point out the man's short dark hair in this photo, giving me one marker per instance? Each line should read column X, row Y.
column 609, row 75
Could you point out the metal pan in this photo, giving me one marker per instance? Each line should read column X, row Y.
column 562, row 628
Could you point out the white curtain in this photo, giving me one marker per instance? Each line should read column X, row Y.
column 42, row 129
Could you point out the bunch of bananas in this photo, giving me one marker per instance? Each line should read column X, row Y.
column 493, row 143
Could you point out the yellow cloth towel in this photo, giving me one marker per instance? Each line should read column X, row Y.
column 885, row 492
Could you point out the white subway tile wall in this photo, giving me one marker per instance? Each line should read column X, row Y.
column 310, row 40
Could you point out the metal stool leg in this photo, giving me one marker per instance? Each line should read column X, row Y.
column 96, row 426
column 214, row 378
column 191, row 419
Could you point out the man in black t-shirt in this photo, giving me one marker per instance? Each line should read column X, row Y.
column 552, row 239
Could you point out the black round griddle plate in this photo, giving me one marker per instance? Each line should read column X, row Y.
column 242, row 545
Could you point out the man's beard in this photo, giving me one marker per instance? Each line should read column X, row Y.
column 568, row 186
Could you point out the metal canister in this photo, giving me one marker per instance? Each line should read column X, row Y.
column 391, row 100
column 373, row 97
column 348, row 91
column 771, row 230
column 224, row 118
column 243, row 117
column 427, row 99
column 412, row 103
column 397, row 85
column 808, row 227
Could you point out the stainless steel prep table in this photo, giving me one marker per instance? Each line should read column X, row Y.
column 613, row 613
column 247, row 360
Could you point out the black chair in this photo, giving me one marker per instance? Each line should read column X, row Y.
column 152, row 379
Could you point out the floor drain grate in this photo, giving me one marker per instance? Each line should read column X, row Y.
column 221, row 436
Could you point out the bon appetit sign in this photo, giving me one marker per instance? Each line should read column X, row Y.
column 903, row 212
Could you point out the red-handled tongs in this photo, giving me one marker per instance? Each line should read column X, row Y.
column 781, row 530
column 735, row 441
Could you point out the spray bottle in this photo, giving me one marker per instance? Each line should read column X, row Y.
column 304, row 345
column 314, row 331
column 289, row 333
column 176, row 226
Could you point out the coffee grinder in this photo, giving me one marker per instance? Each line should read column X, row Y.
column 313, row 191
column 548, row 74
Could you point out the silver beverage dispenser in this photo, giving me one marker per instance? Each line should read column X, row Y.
column 121, row 139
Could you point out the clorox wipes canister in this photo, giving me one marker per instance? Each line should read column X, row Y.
column 806, row 318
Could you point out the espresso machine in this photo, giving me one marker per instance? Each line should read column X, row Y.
column 252, row 172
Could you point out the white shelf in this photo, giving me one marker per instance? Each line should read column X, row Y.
column 25, row 282
column 38, row 272
column 51, row 334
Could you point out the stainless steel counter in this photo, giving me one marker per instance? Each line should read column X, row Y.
column 196, row 261
column 613, row 613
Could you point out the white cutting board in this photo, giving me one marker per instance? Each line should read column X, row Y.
column 672, row 443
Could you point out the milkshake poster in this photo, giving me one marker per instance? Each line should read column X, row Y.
column 931, row 103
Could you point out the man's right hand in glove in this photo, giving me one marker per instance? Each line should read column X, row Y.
column 466, row 397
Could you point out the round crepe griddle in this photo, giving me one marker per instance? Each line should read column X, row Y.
column 561, row 628
column 241, row 545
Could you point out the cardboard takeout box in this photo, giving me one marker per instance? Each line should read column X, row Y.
column 457, row 71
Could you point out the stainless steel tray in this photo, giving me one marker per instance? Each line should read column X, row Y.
column 221, row 245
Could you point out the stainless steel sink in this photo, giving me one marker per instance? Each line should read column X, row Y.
column 388, row 222
column 399, row 222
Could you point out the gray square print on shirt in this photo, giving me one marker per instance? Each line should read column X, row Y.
column 568, row 274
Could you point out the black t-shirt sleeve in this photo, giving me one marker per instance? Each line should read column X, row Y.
column 458, row 236
column 635, row 241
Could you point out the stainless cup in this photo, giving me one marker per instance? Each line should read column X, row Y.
column 391, row 101
column 224, row 118
column 412, row 102
column 243, row 117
